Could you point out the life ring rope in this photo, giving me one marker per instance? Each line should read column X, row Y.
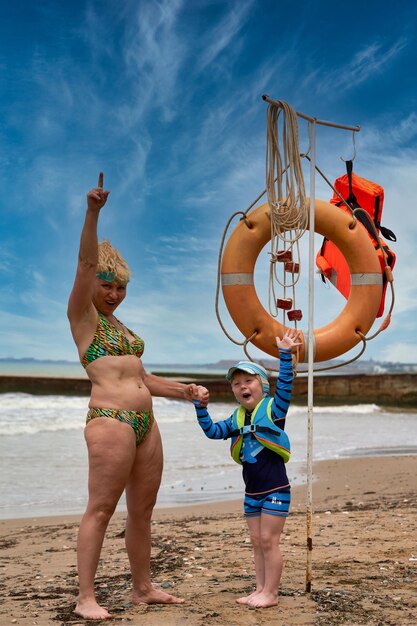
column 249, row 277
column 246, row 279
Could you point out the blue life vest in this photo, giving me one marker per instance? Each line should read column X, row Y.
column 262, row 427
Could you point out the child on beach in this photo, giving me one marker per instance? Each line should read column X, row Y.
column 260, row 445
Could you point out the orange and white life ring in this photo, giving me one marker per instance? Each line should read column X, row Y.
column 359, row 313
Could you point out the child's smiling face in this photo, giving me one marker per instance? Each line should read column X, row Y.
column 247, row 389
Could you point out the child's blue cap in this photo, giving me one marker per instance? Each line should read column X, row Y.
column 250, row 368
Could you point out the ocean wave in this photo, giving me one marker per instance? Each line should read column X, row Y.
column 195, row 468
column 23, row 413
column 24, row 401
column 31, row 424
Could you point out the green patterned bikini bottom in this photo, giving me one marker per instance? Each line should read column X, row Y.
column 140, row 421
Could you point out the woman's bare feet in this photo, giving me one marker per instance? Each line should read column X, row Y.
column 263, row 600
column 153, row 595
column 89, row 609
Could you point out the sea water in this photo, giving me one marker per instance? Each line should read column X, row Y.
column 43, row 456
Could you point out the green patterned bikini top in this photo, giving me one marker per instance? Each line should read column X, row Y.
column 109, row 340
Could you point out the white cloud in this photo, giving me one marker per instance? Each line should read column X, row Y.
column 370, row 60
column 154, row 53
column 401, row 352
column 24, row 336
column 404, row 132
column 224, row 33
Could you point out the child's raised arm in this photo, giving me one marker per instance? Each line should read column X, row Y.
column 289, row 340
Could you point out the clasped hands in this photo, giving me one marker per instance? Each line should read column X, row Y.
column 197, row 393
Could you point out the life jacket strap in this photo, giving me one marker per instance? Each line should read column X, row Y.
column 351, row 199
column 251, row 428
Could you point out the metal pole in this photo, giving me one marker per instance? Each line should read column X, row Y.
column 312, row 128
column 312, row 137
column 355, row 129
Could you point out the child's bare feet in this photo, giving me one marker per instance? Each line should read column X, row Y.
column 245, row 599
column 263, row 600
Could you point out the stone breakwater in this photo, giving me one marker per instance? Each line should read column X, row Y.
column 391, row 390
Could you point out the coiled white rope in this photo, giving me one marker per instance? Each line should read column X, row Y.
column 287, row 198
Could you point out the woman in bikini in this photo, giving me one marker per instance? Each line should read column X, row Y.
column 123, row 440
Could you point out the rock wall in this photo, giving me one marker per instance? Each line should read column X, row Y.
column 393, row 390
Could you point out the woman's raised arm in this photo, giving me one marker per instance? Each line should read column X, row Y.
column 79, row 302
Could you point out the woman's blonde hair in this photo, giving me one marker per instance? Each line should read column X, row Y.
column 110, row 261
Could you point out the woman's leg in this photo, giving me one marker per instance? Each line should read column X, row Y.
column 254, row 526
column 141, row 492
column 111, row 452
column 271, row 527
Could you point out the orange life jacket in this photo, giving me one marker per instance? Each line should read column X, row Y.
column 363, row 193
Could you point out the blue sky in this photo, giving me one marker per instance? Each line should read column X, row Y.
column 165, row 98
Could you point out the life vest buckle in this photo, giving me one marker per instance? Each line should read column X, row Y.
column 249, row 428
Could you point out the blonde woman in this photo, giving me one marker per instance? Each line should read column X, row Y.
column 123, row 440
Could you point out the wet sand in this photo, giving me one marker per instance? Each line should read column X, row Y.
column 364, row 559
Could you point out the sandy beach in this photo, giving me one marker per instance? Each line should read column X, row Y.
column 364, row 558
